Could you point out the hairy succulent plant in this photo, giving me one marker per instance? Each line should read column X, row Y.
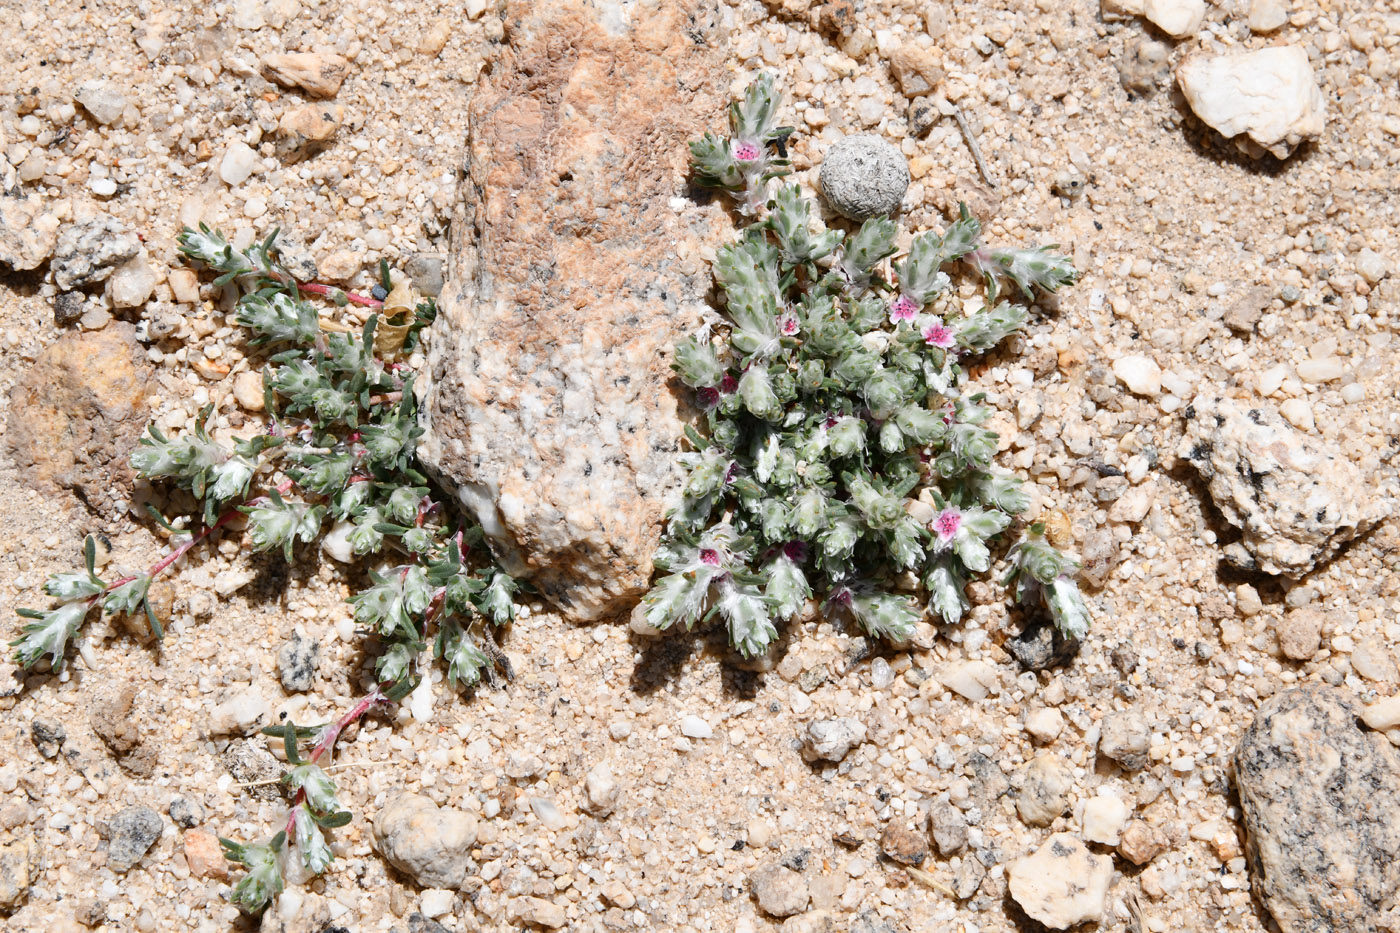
column 841, row 456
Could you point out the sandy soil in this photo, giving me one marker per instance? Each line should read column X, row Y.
column 1173, row 228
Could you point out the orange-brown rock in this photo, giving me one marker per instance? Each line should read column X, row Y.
column 77, row 412
column 552, row 410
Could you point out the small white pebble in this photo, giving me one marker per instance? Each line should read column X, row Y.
column 1321, row 370
column 1299, row 413
column 1140, row 374
column 696, row 728
column 435, row 902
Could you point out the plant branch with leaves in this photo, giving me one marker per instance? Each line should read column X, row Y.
column 335, row 461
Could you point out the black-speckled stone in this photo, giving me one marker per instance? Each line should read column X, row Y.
column 1319, row 794
column 297, row 660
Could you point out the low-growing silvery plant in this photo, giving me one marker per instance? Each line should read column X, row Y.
column 335, row 461
column 841, row 456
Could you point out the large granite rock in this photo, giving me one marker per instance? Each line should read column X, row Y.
column 551, row 410
column 1319, row 799
column 1297, row 501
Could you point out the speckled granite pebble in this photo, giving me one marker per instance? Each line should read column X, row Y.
column 1296, row 501
column 1318, row 793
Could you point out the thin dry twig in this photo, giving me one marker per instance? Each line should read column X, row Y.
column 948, row 108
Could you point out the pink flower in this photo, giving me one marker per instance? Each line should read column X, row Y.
column 708, row 396
column 939, row 335
column 787, row 325
column 746, row 151
column 903, row 309
column 946, row 524
column 710, row 556
column 728, row 384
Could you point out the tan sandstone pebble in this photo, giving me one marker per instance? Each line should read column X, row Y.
column 780, row 891
column 1102, row 819
column 902, row 844
column 1300, row 633
column 1244, row 312
column 204, row 855
column 435, row 38
column 916, row 69
column 1141, row 842
column 304, row 131
column 1372, row 660
column 248, row 391
column 617, row 894
column 431, row 845
column 1062, row 884
column 339, row 265
column 184, row 285
column 539, row 912
column 1045, row 792
column 319, row 74
column 76, row 414
column 113, row 721
column 1384, row 714
column 1044, row 725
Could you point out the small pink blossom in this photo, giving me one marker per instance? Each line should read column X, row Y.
column 939, row 335
column 708, row 396
column 746, row 151
column 728, row 384
column 946, row 524
column 903, row 309
column 787, row 325
column 710, row 556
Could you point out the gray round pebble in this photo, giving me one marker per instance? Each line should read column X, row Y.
column 864, row 176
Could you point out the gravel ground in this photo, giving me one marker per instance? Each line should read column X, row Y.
column 1267, row 280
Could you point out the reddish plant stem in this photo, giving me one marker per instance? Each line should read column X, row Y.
column 179, row 552
column 330, row 291
column 365, row 704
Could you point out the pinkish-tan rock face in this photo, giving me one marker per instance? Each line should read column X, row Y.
column 552, row 411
